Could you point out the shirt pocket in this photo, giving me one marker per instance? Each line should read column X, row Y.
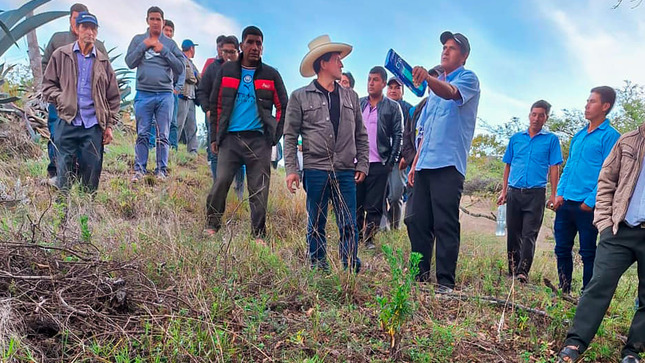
column 312, row 113
column 347, row 112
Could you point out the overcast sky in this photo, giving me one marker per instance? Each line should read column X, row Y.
column 522, row 51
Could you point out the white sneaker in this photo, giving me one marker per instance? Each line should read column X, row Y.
column 53, row 181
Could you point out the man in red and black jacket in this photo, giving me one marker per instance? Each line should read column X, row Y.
column 243, row 129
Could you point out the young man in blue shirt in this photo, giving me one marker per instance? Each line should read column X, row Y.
column 439, row 167
column 531, row 155
column 576, row 195
column 244, row 128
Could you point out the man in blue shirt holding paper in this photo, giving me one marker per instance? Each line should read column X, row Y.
column 439, row 168
column 531, row 155
column 576, row 195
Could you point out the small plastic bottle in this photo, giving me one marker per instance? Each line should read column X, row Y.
column 501, row 221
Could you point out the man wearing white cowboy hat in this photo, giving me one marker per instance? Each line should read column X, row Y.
column 335, row 149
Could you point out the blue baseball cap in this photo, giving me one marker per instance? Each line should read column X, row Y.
column 187, row 44
column 86, row 18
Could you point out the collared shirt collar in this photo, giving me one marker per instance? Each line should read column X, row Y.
column 451, row 76
column 77, row 48
column 323, row 89
column 542, row 132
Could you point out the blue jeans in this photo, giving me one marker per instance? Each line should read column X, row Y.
column 52, row 120
column 320, row 185
column 569, row 220
column 172, row 136
column 149, row 105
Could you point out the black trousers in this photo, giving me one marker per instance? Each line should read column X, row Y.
column 370, row 197
column 78, row 144
column 524, row 214
column 435, row 215
column 614, row 255
column 248, row 148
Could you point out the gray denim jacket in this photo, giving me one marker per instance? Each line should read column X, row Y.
column 308, row 115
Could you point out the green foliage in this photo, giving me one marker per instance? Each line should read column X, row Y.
column 397, row 307
column 484, row 145
column 631, row 110
column 86, row 235
column 504, row 131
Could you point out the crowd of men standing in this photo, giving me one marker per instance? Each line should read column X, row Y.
column 364, row 154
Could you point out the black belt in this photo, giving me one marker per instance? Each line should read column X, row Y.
column 528, row 190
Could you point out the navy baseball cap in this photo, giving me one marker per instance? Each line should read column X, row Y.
column 187, row 44
column 459, row 38
column 86, row 18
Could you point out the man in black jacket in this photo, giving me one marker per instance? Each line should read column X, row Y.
column 397, row 179
column 243, row 129
column 228, row 47
column 383, row 119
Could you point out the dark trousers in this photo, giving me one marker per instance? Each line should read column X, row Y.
column 435, row 214
column 85, row 146
column 370, row 196
column 340, row 186
column 615, row 254
column 52, row 120
column 524, row 214
column 569, row 220
column 248, row 148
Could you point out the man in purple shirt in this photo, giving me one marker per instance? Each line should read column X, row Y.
column 82, row 85
column 383, row 120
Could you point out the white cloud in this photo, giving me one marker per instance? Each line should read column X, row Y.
column 603, row 42
column 120, row 20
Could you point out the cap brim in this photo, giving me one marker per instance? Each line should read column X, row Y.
column 445, row 36
column 307, row 64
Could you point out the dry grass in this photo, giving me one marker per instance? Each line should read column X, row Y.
column 246, row 302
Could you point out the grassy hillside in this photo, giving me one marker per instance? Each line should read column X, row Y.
column 127, row 276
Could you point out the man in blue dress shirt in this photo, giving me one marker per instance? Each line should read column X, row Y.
column 576, row 195
column 531, row 156
column 439, row 168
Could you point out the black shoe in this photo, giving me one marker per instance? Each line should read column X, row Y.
column 356, row 268
column 630, row 359
column 320, row 265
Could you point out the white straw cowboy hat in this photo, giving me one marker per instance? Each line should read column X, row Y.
column 318, row 47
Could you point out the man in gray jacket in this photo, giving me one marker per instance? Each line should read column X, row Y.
column 156, row 58
column 328, row 117
column 186, row 121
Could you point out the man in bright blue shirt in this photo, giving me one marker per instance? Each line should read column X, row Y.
column 576, row 195
column 448, row 121
column 531, row 156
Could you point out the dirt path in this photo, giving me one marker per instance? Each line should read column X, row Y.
column 486, row 226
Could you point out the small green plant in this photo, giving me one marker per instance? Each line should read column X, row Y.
column 86, row 235
column 397, row 307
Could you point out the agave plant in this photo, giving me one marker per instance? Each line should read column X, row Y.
column 13, row 32
column 123, row 78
